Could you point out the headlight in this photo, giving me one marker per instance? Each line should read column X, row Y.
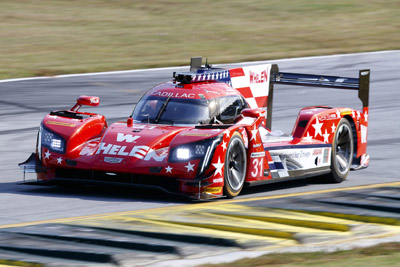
column 51, row 140
column 198, row 150
column 183, row 153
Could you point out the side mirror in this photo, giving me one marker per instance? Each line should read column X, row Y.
column 254, row 112
column 85, row 100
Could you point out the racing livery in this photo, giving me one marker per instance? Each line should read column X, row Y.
column 205, row 134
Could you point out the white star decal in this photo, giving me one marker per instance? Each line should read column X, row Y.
column 366, row 116
column 254, row 134
column 333, row 127
column 326, row 136
column 168, row 169
column 47, row 154
column 224, row 145
column 226, row 132
column 218, row 167
column 352, row 113
column 358, row 115
column 52, row 117
column 308, row 138
column 59, row 160
column 317, row 126
column 338, row 113
column 189, row 167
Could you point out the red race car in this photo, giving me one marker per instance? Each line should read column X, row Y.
column 205, row 134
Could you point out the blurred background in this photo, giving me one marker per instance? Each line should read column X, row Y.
column 50, row 37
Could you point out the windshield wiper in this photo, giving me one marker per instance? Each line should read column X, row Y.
column 162, row 109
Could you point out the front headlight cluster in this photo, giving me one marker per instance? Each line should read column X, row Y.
column 203, row 149
column 50, row 140
column 189, row 151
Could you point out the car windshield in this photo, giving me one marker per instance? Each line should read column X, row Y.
column 167, row 110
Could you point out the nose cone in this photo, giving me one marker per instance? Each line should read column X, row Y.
column 126, row 148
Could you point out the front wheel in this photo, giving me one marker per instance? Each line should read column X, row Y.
column 342, row 152
column 235, row 166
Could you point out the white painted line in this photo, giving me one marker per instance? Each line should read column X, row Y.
column 23, row 79
column 117, row 72
column 217, row 65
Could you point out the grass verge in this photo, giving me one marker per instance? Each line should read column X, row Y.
column 381, row 255
column 49, row 37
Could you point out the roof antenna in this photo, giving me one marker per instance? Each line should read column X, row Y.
column 207, row 65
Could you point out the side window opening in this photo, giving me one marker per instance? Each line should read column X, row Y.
column 230, row 107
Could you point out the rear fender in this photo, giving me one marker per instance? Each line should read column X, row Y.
column 257, row 163
column 320, row 124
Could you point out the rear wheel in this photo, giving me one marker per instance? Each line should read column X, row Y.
column 342, row 152
column 235, row 166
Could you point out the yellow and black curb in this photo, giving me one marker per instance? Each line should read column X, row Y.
column 200, row 230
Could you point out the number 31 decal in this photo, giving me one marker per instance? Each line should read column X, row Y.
column 257, row 167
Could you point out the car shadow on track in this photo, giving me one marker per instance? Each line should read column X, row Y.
column 128, row 194
column 282, row 185
column 95, row 193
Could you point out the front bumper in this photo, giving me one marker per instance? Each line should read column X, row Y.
column 64, row 176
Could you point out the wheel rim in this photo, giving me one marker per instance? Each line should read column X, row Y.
column 343, row 149
column 236, row 164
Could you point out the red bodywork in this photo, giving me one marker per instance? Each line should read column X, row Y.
column 139, row 153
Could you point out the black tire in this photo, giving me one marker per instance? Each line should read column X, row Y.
column 342, row 152
column 235, row 166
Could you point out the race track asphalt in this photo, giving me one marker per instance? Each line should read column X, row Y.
column 24, row 103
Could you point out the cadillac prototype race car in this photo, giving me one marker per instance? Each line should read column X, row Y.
column 205, row 134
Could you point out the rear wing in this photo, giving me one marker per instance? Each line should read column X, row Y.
column 361, row 84
column 252, row 82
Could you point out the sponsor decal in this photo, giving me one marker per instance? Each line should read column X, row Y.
column 364, row 131
column 127, row 138
column 345, row 112
column 218, row 180
column 317, row 151
column 363, row 73
column 150, row 127
column 332, row 116
column 258, row 77
column 257, row 154
column 195, row 134
column 257, row 145
column 113, row 160
column 60, row 123
column 140, row 152
column 94, row 100
column 365, row 160
column 213, row 190
column 296, row 155
column 172, row 94
column 326, row 155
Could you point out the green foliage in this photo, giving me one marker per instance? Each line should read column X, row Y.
column 50, row 37
column 380, row 255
